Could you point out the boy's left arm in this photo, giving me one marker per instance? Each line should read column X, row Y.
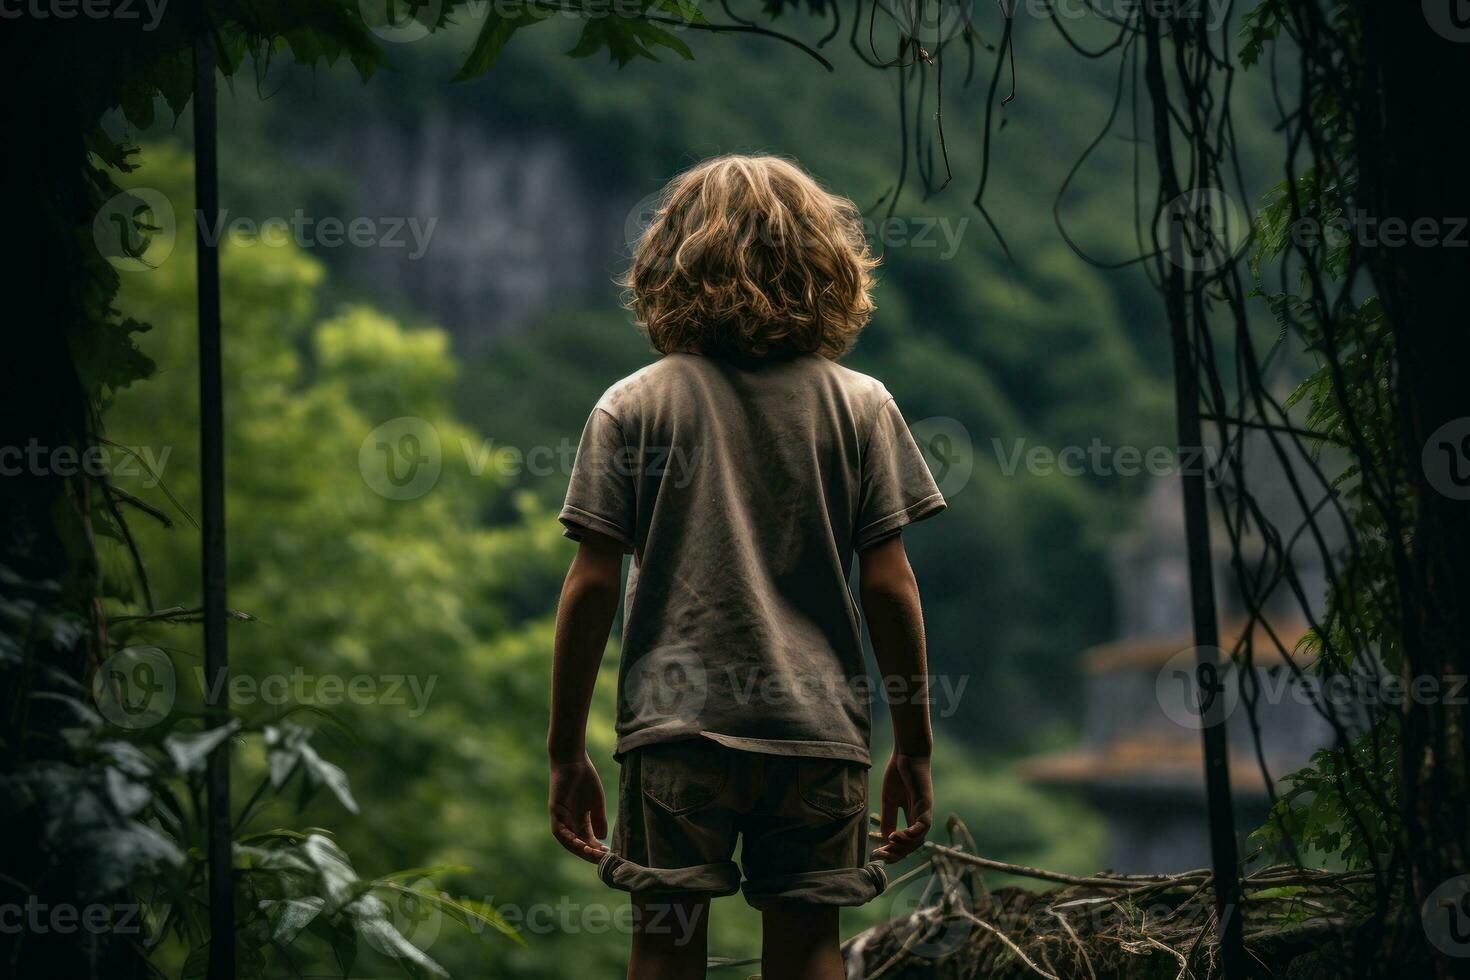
column 589, row 600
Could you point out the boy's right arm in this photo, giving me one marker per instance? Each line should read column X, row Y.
column 890, row 597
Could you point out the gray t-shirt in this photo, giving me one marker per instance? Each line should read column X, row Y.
column 742, row 491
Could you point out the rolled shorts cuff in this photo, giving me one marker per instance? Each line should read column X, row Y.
column 844, row 887
column 721, row 878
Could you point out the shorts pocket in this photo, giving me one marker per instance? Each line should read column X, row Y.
column 835, row 787
column 682, row 776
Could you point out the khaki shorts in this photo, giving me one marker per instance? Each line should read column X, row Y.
column 803, row 824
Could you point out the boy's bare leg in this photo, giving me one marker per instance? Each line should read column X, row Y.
column 670, row 937
column 799, row 942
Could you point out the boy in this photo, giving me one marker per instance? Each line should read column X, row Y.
column 742, row 471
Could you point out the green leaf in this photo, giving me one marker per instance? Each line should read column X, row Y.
column 370, row 915
column 247, row 857
column 320, row 772
column 654, row 34
column 288, row 917
column 136, row 98
column 686, row 10
column 493, row 36
column 81, row 709
column 467, row 910
column 429, row 872
column 620, row 35
column 305, row 46
column 343, row 940
column 123, row 853
column 107, row 356
column 288, row 750
column 588, row 42
column 175, row 79
column 337, row 932
column 1261, row 24
column 196, row 964
column 190, row 752
column 127, row 796
column 339, row 881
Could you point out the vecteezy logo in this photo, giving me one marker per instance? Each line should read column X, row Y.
column 1446, row 916
column 947, row 448
column 401, row 458
column 1202, row 229
column 1450, row 19
column 135, row 230
column 1446, row 459
column 1195, row 692
column 667, row 687
column 934, row 932
column 930, row 22
column 400, row 21
column 135, row 687
column 415, row 917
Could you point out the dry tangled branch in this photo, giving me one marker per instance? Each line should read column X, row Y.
column 1097, row 926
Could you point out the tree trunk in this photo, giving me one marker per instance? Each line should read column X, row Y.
column 1413, row 168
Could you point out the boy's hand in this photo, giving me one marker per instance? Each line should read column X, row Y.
column 906, row 784
column 578, row 810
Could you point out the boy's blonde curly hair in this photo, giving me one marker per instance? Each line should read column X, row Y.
column 748, row 256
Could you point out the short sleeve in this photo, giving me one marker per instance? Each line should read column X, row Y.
column 897, row 488
column 600, row 495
